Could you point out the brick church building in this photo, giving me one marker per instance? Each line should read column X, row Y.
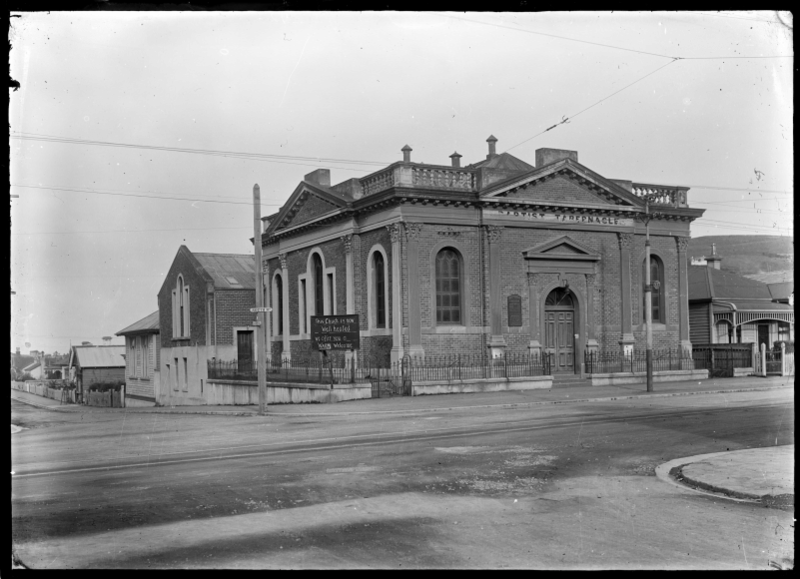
column 497, row 257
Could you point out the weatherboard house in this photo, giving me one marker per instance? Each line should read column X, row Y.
column 727, row 308
column 204, row 315
column 142, row 356
column 497, row 257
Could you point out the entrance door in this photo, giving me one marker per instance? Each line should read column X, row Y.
column 763, row 336
column 559, row 324
column 244, row 353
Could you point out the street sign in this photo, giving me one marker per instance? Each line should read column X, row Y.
column 335, row 332
column 264, row 309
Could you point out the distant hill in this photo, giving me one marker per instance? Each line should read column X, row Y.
column 767, row 258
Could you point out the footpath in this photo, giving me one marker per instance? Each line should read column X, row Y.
column 763, row 474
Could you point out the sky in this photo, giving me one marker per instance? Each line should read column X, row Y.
column 133, row 133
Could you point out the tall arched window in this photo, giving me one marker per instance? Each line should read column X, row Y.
column 180, row 309
column 448, row 287
column 656, row 275
column 380, row 290
column 319, row 278
column 277, row 305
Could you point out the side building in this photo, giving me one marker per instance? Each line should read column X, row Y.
column 727, row 308
column 497, row 258
column 91, row 365
column 204, row 315
column 142, row 356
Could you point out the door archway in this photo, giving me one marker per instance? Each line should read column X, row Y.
column 559, row 329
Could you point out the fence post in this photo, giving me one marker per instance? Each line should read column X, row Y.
column 783, row 359
column 763, row 360
column 459, row 366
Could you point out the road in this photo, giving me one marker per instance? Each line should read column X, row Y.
column 556, row 487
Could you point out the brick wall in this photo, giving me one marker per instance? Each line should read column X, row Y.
column 197, row 302
column 233, row 310
column 312, row 207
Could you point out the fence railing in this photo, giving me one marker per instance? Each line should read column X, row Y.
column 417, row 369
column 663, row 360
column 721, row 359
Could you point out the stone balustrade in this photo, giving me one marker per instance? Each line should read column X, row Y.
column 661, row 194
column 419, row 177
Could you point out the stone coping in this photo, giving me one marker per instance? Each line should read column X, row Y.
column 271, row 384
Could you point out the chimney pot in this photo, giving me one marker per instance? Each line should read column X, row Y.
column 456, row 159
column 491, row 140
column 406, row 154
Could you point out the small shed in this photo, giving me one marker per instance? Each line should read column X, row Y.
column 97, row 365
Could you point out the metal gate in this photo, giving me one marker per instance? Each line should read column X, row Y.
column 721, row 359
column 773, row 361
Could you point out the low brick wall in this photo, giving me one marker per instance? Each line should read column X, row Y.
column 231, row 392
column 619, row 378
column 481, row 385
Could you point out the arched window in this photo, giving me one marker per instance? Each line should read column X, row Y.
column 656, row 275
column 277, row 304
column 319, row 278
column 180, row 309
column 448, row 287
column 559, row 297
column 380, row 290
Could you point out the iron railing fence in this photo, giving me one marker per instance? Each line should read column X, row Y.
column 318, row 370
column 721, row 359
column 636, row 361
column 473, row 366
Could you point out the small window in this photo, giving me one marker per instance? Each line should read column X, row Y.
column 277, row 305
column 332, row 308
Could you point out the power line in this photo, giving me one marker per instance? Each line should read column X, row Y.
column 610, row 45
column 271, row 158
column 559, row 37
column 567, row 119
column 118, row 231
column 738, row 17
column 162, row 197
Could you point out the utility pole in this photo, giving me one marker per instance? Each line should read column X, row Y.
column 260, row 341
column 648, row 295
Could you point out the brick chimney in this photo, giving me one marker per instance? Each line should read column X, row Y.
column 406, row 154
column 320, row 177
column 492, row 152
column 549, row 156
column 455, row 159
column 713, row 260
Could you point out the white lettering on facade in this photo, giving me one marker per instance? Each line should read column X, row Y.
column 559, row 217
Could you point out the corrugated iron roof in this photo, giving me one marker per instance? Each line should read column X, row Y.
column 229, row 271
column 100, row 356
column 781, row 290
column 754, row 305
column 148, row 324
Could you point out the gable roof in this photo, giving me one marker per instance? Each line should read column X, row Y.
column 98, row 356
column 504, row 161
column 707, row 283
column 563, row 247
column 148, row 324
column 30, row 367
column 228, row 270
column 608, row 191
column 298, row 198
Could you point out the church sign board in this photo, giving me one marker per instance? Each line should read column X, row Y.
column 556, row 217
column 335, row 332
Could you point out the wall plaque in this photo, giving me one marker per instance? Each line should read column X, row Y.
column 514, row 311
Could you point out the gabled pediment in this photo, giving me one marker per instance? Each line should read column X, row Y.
column 307, row 202
column 561, row 248
column 567, row 182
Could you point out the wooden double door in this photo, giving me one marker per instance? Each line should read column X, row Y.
column 559, row 326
